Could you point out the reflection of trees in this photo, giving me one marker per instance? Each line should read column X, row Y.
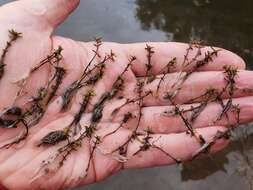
column 226, row 23
column 241, row 146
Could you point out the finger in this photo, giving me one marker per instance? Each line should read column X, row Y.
column 165, row 52
column 180, row 146
column 44, row 11
column 196, row 85
column 163, row 120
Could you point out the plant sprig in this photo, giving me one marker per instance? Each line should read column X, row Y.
column 166, row 70
column 53, row 59
column 183, row 76
column 13, row 37
column 150, row 52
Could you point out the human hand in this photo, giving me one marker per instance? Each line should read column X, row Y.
column 149, row 131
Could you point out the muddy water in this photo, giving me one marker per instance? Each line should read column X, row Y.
column 224, row 23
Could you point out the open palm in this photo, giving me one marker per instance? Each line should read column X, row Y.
column 137, row 118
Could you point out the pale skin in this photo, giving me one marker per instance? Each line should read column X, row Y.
column 37, row 19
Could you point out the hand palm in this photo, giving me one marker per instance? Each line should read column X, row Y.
column 36, row 22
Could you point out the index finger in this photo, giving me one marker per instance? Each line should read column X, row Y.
column 165, row 52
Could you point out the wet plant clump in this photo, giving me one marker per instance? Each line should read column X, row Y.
column 78, row 84
column 35, row 108
column 123, row 148
column 54, row 60
column 77, row 134
column 57, row 78
column 77, row 117
column 54, row 138
column 191, row 66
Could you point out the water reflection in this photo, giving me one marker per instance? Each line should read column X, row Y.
column 225, row 23
column 241, row 148
column 110, row 19
column 197, row 170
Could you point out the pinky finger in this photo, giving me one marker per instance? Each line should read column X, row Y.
column 168, row 149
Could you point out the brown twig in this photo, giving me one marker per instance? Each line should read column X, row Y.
column 13, row 36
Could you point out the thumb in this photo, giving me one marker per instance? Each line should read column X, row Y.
column 52, row 12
